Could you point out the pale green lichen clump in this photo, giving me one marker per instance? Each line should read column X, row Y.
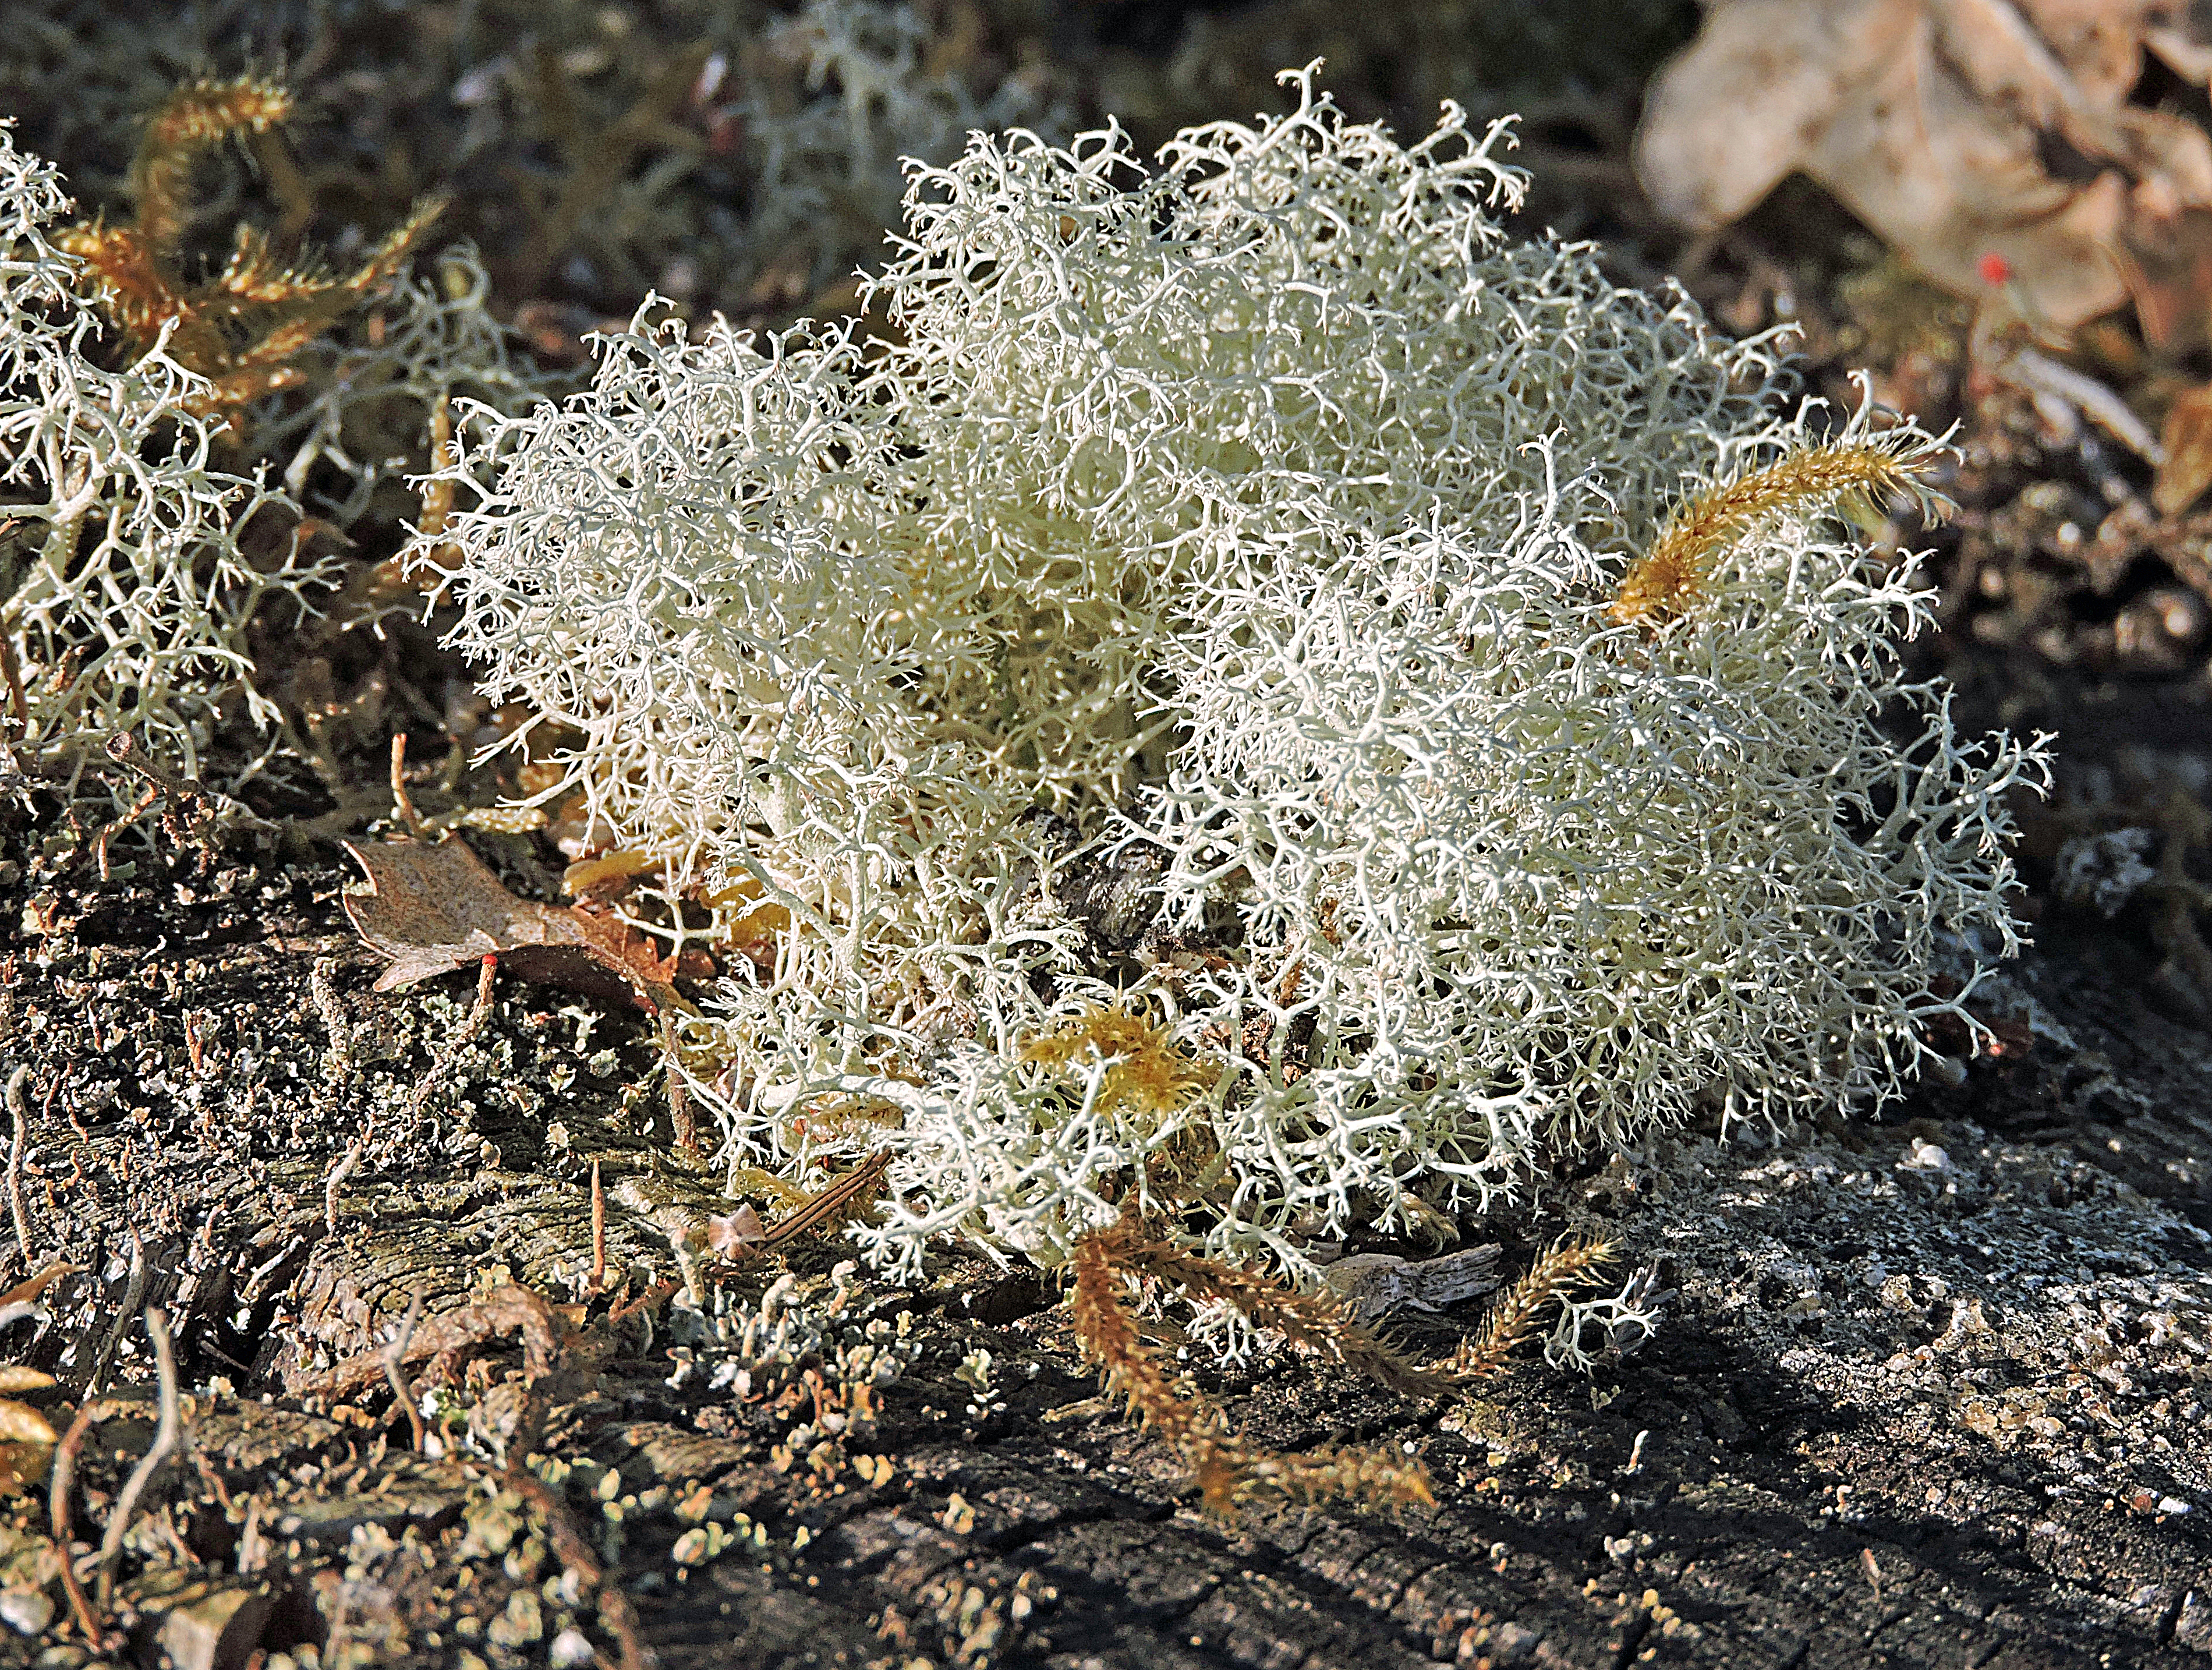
column 129, row 566
column 1268, row 507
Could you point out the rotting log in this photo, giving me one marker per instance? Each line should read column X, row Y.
column 1836, row 1445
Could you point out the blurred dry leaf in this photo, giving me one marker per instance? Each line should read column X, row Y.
column 26, row 1447
column 14, row 1377
column 434, row 908
column 19, row 1424
column 2186, row 470
column 1975, row 136
column 26, row 1294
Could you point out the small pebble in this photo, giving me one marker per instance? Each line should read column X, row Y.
column 26, row 1611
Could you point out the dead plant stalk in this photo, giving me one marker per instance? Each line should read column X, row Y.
column 167, row 1435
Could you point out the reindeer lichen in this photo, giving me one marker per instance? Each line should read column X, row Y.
column 1267, row 513
column 130, row 565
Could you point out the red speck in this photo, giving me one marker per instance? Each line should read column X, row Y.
column 725, row 130
column 1994, row 268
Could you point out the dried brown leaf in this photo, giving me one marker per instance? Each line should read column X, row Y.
column 434, row 908
column 2186, row 470
column 1977, row 136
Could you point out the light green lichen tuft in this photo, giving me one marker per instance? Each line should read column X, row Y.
column 129, row 566
column 1262, row 511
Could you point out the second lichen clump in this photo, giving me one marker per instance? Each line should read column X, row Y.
column 1266, row 511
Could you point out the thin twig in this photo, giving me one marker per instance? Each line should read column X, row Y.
column 18, row 703
column 20, row 1109
column 165, row 1445
column 450, row 1050
column 337, row 1181
column 252, row 1546
column 61, row 1510
column 149, row 798
column 212, row 1478
column 133, row 1295
column 680, row 1117
column 395, row 1354
column 401, row 800
column 331, row 1008
column 599, row 1232
column 2040, row 374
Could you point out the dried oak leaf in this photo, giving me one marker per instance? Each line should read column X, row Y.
column 26, row 1447
column 2186, row 469
column 433, row 908
column 1974, row 135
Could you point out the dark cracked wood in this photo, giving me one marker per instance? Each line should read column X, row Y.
column 1897, row 1415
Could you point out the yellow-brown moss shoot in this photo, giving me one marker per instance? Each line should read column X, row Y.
column 1512, row 1319
column 1314, row 1322
column 131, row 282
column 1227, row 1470
column 1671, row 578
column 1149, row 1076
column 189, row 122
column 244, row 328
column 1107, row 1332
column 391, row 253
